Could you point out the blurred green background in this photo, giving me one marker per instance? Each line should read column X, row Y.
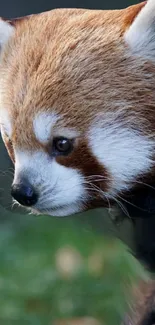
column 54, row 270
column 70, row 271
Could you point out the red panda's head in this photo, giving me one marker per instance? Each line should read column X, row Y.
column 77, row 96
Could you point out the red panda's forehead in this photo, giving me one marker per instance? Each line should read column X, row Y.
column 33, row 130
column 65, row 62
column 68, row 72
column 65, row 58
column 60, row 56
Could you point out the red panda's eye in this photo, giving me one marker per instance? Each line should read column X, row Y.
column 62, row 146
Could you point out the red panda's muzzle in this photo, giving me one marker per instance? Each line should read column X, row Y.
column 24, row 194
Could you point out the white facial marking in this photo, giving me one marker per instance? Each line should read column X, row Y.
column 123, row 152
column 61, row 190
column 6, row 31
column 65, row 132
column 42, row 125
column 141, row 34
column 5, row 123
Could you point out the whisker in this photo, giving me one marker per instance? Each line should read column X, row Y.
column 142, row 183
column 5, row 172
column 132, row 204
column 47, row 191
column 109, row 206
column 120, row 204
column 97, row 177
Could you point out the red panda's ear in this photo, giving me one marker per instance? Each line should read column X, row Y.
column 140, row 36
column 6, row 31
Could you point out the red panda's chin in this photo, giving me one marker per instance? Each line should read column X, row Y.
column 74, row 208
column 61, row 211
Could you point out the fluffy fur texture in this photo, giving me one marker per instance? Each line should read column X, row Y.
column 6, row 31
column 141, row 34
column 42, row 126
column 87, row 76
column 75, row 73
column 65, row 184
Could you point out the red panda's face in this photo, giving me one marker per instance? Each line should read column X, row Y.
column 70, row 119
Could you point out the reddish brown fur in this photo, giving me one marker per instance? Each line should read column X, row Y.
column 84, row 160
column 143, row 304
column 75, row 61
column 132, row 12
column 68, row 74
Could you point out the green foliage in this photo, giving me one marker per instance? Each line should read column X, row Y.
column 58, row 269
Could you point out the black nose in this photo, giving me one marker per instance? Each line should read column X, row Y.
column 24, row 194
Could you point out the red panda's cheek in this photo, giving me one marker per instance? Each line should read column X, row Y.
column 83, row 160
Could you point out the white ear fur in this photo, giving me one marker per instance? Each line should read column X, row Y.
column 141, row 34
column 6, row 31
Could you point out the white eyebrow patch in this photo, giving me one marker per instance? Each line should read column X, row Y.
column 42, row 126
column 5, row 123
column 69, row 133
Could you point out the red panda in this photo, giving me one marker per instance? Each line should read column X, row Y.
column 77, row 106
column 77, row 100
column 77, row 97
